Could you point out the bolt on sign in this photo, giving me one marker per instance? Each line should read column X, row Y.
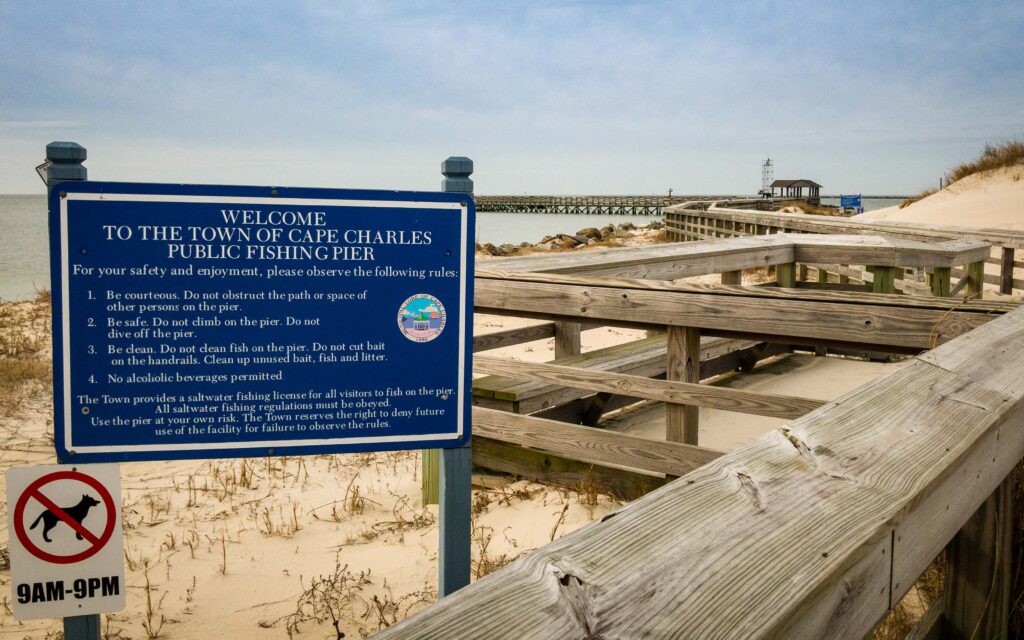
column 66, row 546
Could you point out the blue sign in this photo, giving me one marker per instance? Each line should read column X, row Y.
column 205, row 321
column 849, row 201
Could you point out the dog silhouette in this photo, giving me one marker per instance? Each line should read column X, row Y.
column 77, row 513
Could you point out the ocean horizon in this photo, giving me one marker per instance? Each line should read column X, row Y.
column 24, row 251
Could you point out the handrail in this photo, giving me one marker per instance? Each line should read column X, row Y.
column 814, row 530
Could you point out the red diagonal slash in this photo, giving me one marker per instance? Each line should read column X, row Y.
column 68, row 520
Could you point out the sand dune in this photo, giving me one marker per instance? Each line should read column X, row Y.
column 991, row 199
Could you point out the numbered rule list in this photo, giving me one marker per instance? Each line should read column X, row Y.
column 247, row 324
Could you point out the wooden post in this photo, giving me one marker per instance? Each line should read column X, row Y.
column 803, row 272
column 785, row 274
column 976, row 279
column 567, row 339
column 430, row 464
column 456, row 468
column 822, row 275
column 938, row 281
column 683, row 366
column 67, row 159
column 733, row 277
column 885, row 279
column 978, row 560
column 1006, row 272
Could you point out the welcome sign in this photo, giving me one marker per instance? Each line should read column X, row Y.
column 200, row 321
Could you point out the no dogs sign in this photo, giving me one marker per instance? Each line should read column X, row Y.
column 65, row 540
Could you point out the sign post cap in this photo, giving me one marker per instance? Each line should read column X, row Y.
column 65, row 152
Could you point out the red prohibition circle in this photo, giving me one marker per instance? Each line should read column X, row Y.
column 29, row 493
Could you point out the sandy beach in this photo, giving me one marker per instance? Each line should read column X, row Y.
column 289, row 547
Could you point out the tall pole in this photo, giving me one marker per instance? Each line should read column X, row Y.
column 66, row 160
column 455, row 491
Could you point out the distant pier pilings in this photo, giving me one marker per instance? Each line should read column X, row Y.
column 601, row 205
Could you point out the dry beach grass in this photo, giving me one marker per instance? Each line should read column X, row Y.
column 268, row 547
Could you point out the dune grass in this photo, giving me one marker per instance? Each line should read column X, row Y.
column 994, row 156
column 23, row 337
column 815, row 210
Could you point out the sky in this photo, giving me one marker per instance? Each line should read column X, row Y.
column 545, row 97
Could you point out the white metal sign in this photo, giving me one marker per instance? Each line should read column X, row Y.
column 66, row 543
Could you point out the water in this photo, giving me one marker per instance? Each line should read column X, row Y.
column 24, row 251
column 869, row 204
column 24, row 261
column 516, row 228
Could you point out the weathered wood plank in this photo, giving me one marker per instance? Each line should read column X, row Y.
column 733, row 277
column 791, row 536
column 646, row 358
column 939, row 281
column 885, row 280
column 828, row 225
column 848, row 321
column 976, row 279
column 660, row 261
column 979, row 563
column 682, row 421
column 511, row 337
column 551, row 469
column 1006, row 264
column 430, row 464
column 924, row 302
column 567, row 339
column 589, row 444
column 785, row 274
column 700, row 395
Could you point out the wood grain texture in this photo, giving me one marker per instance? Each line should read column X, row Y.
column 551, row 469
column 645, row 358
column 682, row 421
column 1006, row 264
column 939, row 282
column 924, row 302
column 979, row 563
column 733, row 277
column 976, row 279
column 785, row 274
column 846, row 319
column 510, row 337
column 702, row 258
column 710, row 396
column 791, row 536
column 830, row 225
column 567, row 339
column 590, row 445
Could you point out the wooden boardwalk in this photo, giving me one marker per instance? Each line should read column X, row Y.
column 702, row 221
column 816, row 529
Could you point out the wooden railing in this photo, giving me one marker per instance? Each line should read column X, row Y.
column 709, row 220
column 816, row 529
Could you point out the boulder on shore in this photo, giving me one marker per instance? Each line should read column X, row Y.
column 591, row 233
column 490, row 249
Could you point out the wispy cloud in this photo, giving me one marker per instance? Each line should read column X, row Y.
column 565, row 97
column 39, row 124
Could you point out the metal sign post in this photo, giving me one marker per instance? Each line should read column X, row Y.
column 64, row 164
column 455, row 491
